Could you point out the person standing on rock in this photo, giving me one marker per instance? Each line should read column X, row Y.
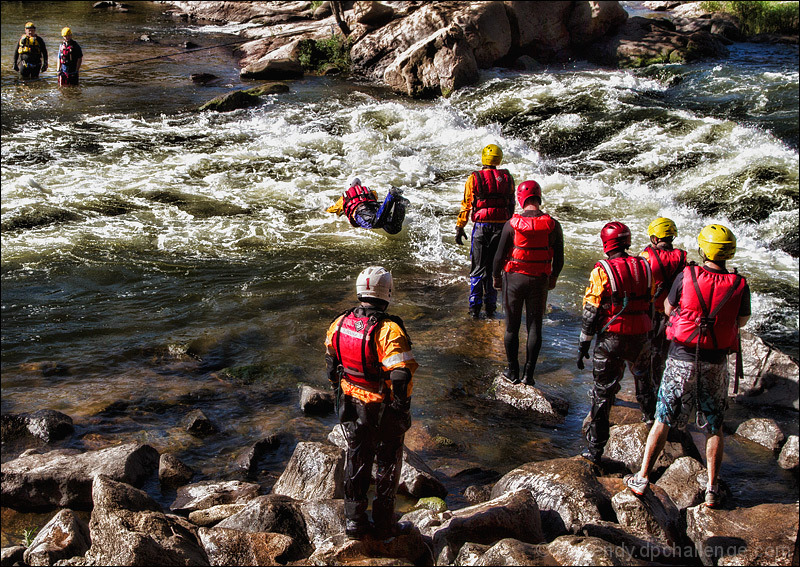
column 706, row 306
column 666, row 262
column 70, row 57
column 360, row 204
column 370, row 365
column 30, row 57
column 489, row 202
column 530, row 257
column 617, row 308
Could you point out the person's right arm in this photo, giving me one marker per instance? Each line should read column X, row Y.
column 503, row 248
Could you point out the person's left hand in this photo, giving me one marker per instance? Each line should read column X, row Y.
column 44, row 67
column 497, row 282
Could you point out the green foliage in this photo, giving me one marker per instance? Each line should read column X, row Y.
column 316, row 4
column 28, row 535
column 760, row 17
column 322, row 55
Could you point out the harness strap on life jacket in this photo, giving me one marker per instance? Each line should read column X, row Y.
column 612, row 275
column 707, row 320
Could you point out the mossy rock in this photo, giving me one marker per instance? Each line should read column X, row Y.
column 231, row 101
column 432, row 503
column 274, row 88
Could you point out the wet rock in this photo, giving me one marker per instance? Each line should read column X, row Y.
column 567, row 493
column 203, row 78
column 640, row 547
column 416, row 477
column 685, row 482
column 202, row 495
column 230, row 101
column 12, row 427
column 582, row 550
column 49, row 425
column 248, row 459
column 436, row 65
column 128, row 528
column 626, row 445
column 64, row 536
column 477, row 494
column 315, row 470
column 111, row 6
column 63, row 478
column 193, row 45
column 789, row 457
column 172, row 472
column 539, row 407
column 512, row 514
column 505, row 552
column 542, row 30
column 314, row 401
column 652, row 515
column 272, row 88
column 770, row 376
column 225, row 546
column 273, row 70
column 209, row 516
column 324, row 522
column 12, row 555
column 403, row 549
column 275, row 514
column 762, row 430
column 762, row 535
column 198, row 424
column 471, row 553
column 432, row 503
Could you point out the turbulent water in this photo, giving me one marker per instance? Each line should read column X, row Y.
column 157, row 260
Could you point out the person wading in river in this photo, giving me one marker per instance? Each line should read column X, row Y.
column 666, row 263
column 530, row 256
column 489, row 203
column 30, row 57
column 617, row 308
column 706, row 305
column 70, row 57
column 370, row 365
column 360, row 204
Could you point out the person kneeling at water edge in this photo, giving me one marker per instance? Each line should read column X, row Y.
column 617, row 308
column 370, row 365
column 530, row 256
column 706, row 307
column 360, row 204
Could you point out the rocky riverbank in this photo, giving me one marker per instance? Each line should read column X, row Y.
column 559, row 511
column 425, row 49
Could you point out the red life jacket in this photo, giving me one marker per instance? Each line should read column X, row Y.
column 531, row 253
column 354, row 196
column 65, row 57
column 665, row 265
column 630, row 281
column 355, row 348
column 492, row 195
column 708, row 313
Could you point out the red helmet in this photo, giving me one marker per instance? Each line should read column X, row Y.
column 526, row 190
column 615, row 235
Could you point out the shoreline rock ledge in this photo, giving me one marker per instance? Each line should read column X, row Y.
column 426, row 49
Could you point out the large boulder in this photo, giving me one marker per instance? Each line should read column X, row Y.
column 762, row 430
column 210, row 516
column 49, row 425
column 63, row 478
column 539, row 407
column 762, row 535
column 626, row 445
column 315, row 471
column 226, row 103
column 315, row 401
column 591, row 21
column 128, row 528
column 505, row 552
column 541, row 28
column 685, row 482
column 640, row 546
column 652, row 515
column 64, row 536
column 172, row 472
column 770, row 376
column 205, row 494
column 487, row 30
column 435, row 65
column 225, row 546
column 583, row 550
column 789, row 457
column 566, row 491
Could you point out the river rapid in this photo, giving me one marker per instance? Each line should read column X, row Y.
column 156, row 260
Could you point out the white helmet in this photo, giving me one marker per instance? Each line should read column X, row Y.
column 352, row 181
column 376, row 282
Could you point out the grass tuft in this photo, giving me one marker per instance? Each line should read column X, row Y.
column 760, row 17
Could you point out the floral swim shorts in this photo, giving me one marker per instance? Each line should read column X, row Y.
column 681, row 395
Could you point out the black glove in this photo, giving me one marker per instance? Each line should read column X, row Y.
column 397, row 417
column 583, row 352
column 44, row 67
column 16, row 67
column 497, row 282
column 460, row 234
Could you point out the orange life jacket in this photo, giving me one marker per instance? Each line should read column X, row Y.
column 354, row 196
column 531, row 253
column 629, row 285
column 707, row 316
column 665, row 265
column 492, row 195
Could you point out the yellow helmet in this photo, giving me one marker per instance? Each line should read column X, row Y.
column 29, row 25
column 662, row 227
column 492, row 155
column 65, row 32
column 717, row 242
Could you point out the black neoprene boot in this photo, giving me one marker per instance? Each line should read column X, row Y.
column 527, row 374
column 511, row 373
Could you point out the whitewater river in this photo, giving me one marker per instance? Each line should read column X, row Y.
column 157, row 260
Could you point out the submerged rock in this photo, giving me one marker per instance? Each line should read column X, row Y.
column 49, row 425
column 231, row 101
column 540, row 407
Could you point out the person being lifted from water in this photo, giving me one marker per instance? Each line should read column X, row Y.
column 70, row 57
column 30, row 56
column 360, row 204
